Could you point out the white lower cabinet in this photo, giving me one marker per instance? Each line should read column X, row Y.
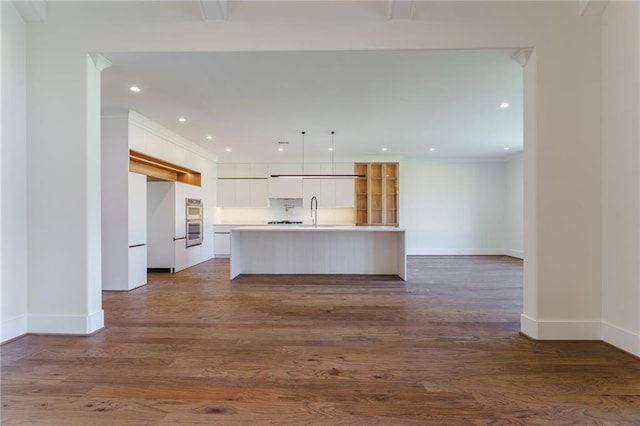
column 137, row 273
column 221, row 240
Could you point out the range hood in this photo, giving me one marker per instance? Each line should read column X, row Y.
column 304, row 175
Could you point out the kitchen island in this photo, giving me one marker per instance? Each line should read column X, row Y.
column 306, row 249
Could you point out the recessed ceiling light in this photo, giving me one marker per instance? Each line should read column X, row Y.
column 209, row 137
column 330, row 149
column 228, row 149
column 134, row 89
column 431, row 149
column 504, row 105
column 182, row 120
column 280, row 149
column 506, row 148
column 384, row 149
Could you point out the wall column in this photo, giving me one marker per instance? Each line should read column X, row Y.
column 63, row 192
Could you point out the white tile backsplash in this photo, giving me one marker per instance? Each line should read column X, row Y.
column 283, row 209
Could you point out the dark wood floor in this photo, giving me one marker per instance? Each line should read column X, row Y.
column 442, row 348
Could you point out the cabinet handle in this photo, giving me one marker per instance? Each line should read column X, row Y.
column 137, row 245
column 179, row 238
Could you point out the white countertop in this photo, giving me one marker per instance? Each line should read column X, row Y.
column 307, row 228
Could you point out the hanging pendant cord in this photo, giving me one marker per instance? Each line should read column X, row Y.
column 333, row 163
column 303, row 152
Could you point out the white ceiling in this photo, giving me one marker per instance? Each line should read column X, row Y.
column 406, row 101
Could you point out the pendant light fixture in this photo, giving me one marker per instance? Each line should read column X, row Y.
column 333, row 174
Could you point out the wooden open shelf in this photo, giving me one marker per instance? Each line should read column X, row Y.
column 377, row 194
column 160, row 169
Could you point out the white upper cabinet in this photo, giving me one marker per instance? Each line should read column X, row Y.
column 246, row 184
column 344, row 188
column 331, row 193
column 242, row 185
column 285, row 188
column 226, row 170
column 312, row 187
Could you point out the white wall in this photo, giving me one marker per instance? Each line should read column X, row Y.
column 621, row 176
column 453, row 207
column 13, row 139
column 514, row 206
column 563, row 290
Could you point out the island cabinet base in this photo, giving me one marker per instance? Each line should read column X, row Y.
column 322, row 250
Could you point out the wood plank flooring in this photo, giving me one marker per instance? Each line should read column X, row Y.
column 194, row 348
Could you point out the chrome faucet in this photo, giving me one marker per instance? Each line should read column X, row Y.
column 314, row 210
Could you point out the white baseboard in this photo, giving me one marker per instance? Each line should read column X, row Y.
column 66, row 324
column 12, row 328
column 454, row 251
column 560, row 330
column 621, row 338
column 514, row 253
column 528, row 326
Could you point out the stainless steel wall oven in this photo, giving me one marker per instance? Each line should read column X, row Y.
column 194, row 222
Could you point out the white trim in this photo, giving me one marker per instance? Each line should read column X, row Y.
column 66, row 324
column 560, row 330
column 514, row 253
column 621, row 338
column 12, row 328
column 454, row 251
column 528, row 326
column 95, row 321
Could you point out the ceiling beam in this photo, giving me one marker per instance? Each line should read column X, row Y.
column 214, row 10
column 593, row 7
column 32, row 10
column 400, row 9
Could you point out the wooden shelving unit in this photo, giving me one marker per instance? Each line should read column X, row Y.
column 377, row 194
column 362, row 210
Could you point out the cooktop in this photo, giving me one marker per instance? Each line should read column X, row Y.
column 284, row 222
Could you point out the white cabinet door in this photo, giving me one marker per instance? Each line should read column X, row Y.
column 259, row 194
column 226, row 192
column 137, row 253
column 259, row 170
column 181, row 258
column 137, row 273
column 137, row 220
column 181, row 209
column 285, row 187
column 221, row 241
column 328, row 187
column 243, row 170
column 344, row 188
column 226, row 170
column 312, row 187
column 243, row 192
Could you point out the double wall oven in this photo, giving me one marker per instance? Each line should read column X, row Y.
column 194, row 222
